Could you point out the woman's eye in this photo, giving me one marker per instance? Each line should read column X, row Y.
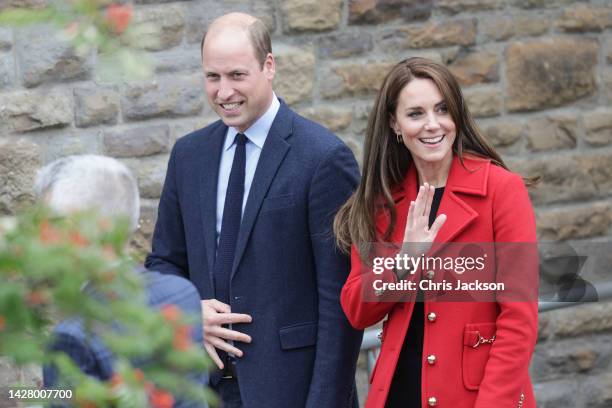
column 414, row 114
column 443, row 109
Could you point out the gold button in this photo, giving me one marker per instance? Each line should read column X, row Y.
column 431, row 317
column 430, row 274
column 432, row 401
column 431, row 359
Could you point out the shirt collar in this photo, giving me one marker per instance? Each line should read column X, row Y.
column 258, row 131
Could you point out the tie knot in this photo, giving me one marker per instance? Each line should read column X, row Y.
column 240, row 139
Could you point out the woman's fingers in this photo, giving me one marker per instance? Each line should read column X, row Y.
column 411, row 212
column 437, row 224
column 429, row 194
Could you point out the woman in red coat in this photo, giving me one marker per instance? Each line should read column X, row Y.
column 429, row 177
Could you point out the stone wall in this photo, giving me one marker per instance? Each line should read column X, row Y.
column 537, row 74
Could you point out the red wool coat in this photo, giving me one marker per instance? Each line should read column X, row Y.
column 483, row 204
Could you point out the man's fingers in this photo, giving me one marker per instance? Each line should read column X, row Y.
column 222, row 345
column 228, row 334
column 216, row 305
column 226, row 318
column 212, row 352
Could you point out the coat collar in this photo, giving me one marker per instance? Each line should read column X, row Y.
column 469, row 178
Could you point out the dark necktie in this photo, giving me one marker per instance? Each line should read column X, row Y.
column 230, row 224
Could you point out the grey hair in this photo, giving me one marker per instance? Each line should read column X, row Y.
column 88, row 182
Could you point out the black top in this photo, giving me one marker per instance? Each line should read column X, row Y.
column 405, row 389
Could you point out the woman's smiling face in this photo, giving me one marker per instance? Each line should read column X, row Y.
column 423, row 120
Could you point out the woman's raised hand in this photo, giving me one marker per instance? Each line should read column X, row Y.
column 418, row 236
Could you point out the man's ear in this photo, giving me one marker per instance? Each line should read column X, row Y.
column 270, row 66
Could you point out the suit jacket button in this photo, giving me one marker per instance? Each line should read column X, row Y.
column 431, row 359
column 432, row 401
column 430, row 274
column 431, row 317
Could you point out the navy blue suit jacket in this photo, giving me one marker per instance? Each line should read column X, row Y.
column 93, row 357
column 287, row 271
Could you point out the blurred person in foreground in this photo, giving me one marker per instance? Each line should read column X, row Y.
column 429, row 177
column 89, row 182
column 246, row 214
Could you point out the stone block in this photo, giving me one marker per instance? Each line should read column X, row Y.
column 33, row 4
column 165, row 96
column 503, row 133
column 295, row 73
column 157, row 28
column 266, row 12
column 381, row 11
column 568, row 177
column 497, row 28
column 26, row 110
column 354, row 79
column 7, row 69
column 429, row 35
column 552, row 132
column 483, row 102
column 6, row 38
column 345, row 44
column 62, row 142
column 607, row 83
column 475, row 68
column 530, row 25
column 578, row 321
column 139, row 141
column 198, row 18
column 458, row 6
column 555, row 394
column 597, row 165
column 177, row 60
column 141, row 240
column 598, row 391
column 43, row 58
column 598, row 127
column 95, row 105
column 548, row 73
column 150, row 172
column 19, row 162
column 585, row 18
column 310, row 15
column 583, row 221
column 335, row 119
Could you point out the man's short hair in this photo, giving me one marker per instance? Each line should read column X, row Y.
column 260, row 40
column 77, row 183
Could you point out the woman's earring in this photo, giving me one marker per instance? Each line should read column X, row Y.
column 398, row 135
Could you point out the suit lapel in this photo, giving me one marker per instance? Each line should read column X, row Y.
column 211, row 157
column 272, row 154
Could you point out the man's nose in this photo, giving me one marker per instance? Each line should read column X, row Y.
column 226, row 90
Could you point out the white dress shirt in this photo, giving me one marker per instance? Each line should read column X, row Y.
column 256, row 135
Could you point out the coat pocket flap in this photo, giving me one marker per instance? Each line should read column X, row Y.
column 474, row 331
column 298, row 335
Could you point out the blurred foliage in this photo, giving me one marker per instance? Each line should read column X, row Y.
column 75, row 267
column 92, row 26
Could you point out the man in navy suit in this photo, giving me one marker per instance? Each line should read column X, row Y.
column 246, row 214
column 78, row 183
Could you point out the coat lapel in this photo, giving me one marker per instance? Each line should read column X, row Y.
column 273, row 152
column 211, row 157
column 471, row 179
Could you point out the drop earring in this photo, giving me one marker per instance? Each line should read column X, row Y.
column 398, row 135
